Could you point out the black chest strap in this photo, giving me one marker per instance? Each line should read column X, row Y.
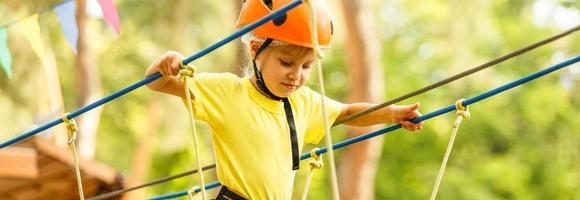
column 293, row 137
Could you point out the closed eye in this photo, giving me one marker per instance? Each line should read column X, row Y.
column 285, row 63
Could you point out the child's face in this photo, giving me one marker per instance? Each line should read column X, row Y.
column 285, row 68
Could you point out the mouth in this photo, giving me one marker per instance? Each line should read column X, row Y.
column 290, row 86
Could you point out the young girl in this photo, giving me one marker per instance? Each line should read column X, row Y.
column 260, row 123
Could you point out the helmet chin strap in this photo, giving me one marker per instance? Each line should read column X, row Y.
column 260, row 79
column 287, row 106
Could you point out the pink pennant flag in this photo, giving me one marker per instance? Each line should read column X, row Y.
column 110, row 13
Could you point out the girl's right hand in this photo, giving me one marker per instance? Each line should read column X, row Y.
column 168, row 64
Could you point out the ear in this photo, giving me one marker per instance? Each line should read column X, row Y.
column 254, row 46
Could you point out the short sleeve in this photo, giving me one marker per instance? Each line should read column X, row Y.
column 315, row 127
column 210, row 91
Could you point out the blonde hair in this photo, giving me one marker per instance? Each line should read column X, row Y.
column 290, row 49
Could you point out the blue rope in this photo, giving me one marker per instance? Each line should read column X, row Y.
column 179, row 194
column 155, row 76
column 425, row 117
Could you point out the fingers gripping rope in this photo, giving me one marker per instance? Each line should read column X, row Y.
column 315, row 163
column 72, row 129
column 186, row 72
column 462, row 113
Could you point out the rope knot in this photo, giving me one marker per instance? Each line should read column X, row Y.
column 193, row 191
column 462, row 110
column 187, row 71
column 316, row 161
column 71, row 127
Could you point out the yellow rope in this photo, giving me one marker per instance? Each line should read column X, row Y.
column 318, row 56
column 462, row 113
column 185, row 73
column 315, row 163
column 72, row 129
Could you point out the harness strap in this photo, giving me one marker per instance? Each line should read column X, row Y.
column 227, row 194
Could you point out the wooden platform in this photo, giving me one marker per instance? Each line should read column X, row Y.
column 37, row 169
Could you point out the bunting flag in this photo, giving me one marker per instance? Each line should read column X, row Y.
column 68, row 22
column 31, row 31
column 110, row 13
column 66, row 12
column 5, row 57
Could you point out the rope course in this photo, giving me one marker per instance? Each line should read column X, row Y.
column 425, row 117
column 395, row 100
column 271, row 16
column 458, row 76
column 155, row 76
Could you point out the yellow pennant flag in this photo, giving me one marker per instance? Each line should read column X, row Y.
column 31, row 31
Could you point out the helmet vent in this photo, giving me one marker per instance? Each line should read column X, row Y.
column 279, row 20
column 268, row 3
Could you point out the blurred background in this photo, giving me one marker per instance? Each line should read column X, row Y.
column 521, row 144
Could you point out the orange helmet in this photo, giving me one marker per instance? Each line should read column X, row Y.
column 292, row 27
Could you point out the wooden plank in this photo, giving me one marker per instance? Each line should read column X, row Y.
column 64, row 187
column 88, row 167
column 8, row 185
column 53, row 170
column 18, row 162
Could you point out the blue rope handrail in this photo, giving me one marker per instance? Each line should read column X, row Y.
column 425, row 117
column 155, row 76
column 183, row 193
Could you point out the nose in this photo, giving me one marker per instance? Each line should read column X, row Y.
column 294, row 74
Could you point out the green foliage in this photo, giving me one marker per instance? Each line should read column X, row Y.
column 521, row 144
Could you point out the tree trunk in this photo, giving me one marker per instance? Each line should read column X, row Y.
column 88, row 86
column 55, row 106
column 143, row 152
column 359, row 162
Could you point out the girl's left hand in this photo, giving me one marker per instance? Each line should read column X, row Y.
column 404, row 113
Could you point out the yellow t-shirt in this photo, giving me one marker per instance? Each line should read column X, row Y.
column 250, row 133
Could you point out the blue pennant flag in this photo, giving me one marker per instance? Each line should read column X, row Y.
column 68, row 22
column 5, row 57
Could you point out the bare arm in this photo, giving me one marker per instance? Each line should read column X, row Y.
column 381, row 116
column 390, row 114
